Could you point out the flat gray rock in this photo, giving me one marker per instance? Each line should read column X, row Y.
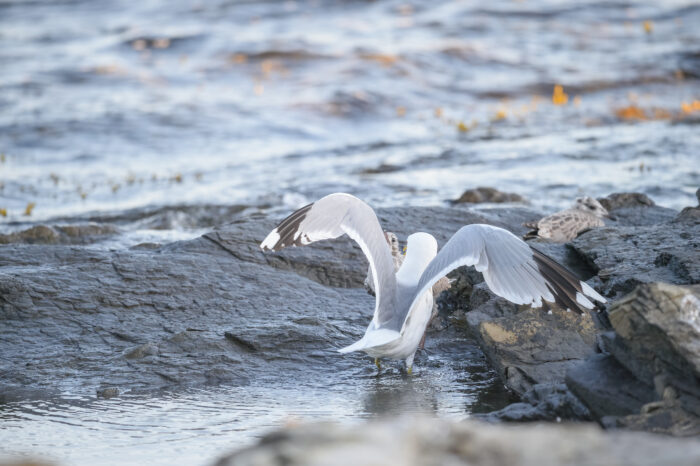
column 423, row 441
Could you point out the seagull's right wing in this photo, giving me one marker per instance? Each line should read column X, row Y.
column 511, row 268
column 331, row 217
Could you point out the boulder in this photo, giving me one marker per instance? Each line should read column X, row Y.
column 650, row 378
column 534, row 347
column 426, row 441
column 484, row 194
column 543, row 402
column 60, row 234
column 634, row 209
column 625, row 257
column 607, row 388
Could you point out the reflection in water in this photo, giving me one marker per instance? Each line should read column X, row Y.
column 196, row 426
column 409, row 395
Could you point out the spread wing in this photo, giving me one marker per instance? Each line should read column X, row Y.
column 511, row 269
column 331, row 217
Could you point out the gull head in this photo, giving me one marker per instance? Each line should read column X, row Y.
column 421, row 242
column 421, row 248
column 591, row 205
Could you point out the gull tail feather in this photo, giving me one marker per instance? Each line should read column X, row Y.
column 372, row 338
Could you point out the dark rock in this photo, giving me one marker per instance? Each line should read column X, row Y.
column 650, row 380
column 607, row 388
column 691, row 214
column 108, row 392
column 418, row 441
column 534, row 347
column 383, row 168
column 627, row 256
column 659, row 326
column 189, row 313
column 634, row 209
column 662, row 419
column 484, row 194
column 60, row 234
column 543, row 402
column 616, row 201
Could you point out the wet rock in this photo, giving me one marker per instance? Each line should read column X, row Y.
column 60, row 234
column 383, row 168
column 635, row 209
column 533, row 347
column 651, row 377
column 616, row 201
column 213, row 310
column 661, row 418
column 484, row 194
column 627, row 256
column 429, row 441
column 542, row 402
column 108, row 392
column 691, row 214
column 660, row 327
column 145, row 320
column 607, row 388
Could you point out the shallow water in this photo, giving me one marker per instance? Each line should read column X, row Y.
column 196, row 426
column 114, row 110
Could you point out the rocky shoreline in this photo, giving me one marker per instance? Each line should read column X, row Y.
column 636, row 364
column 148, row 318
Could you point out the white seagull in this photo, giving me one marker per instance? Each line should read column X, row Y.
column 404, row 299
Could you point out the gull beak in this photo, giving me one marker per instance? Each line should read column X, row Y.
column 404, row 250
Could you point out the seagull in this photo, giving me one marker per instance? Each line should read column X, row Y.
column 396, row 254
column 442, row 285
column 566, row 225
column 404, row 299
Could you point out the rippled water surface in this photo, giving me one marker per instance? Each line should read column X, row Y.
column 197, row 426
column 111, row 110
column 108, row 105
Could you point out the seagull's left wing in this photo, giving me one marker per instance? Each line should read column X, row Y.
column 511, row 268
column 331, row 217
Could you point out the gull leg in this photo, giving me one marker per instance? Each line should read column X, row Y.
column 421, row 345
column 378, row 364
column 409, row 364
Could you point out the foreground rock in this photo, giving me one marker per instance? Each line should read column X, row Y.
column 425, row 441
column 534, row 351
column 650, row 380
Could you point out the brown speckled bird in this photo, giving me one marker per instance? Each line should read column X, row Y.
column 566, row 225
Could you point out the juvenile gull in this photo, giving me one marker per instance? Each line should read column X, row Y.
column 404, row 299
column 566, row 225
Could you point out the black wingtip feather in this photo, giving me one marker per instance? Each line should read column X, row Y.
column 561, row 282
column 288, row 228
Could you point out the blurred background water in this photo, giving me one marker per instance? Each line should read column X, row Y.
column 112, row 105
column 120, row 111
